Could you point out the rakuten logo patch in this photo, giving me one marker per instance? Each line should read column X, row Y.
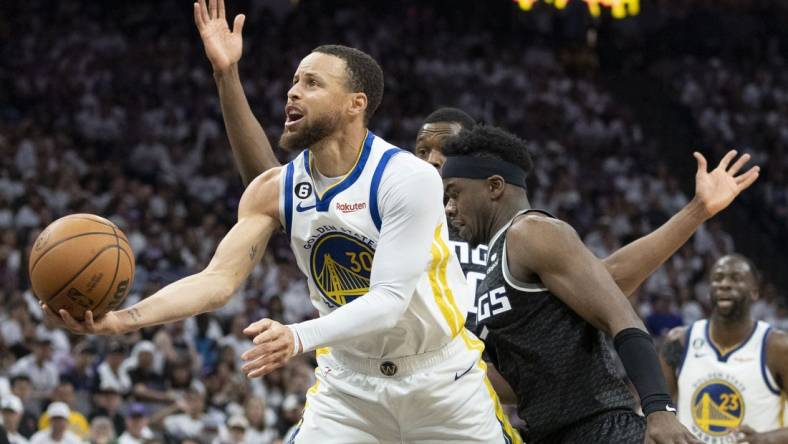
column 349, row 208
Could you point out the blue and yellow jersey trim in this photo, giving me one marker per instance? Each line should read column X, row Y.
column 323, row 200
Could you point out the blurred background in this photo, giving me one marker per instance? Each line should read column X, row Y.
column 111, row 108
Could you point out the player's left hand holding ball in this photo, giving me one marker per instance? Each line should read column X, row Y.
column 665, row 428
column 273, row 347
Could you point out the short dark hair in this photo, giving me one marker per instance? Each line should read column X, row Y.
column 490, row 142
column 453, row 115
column 363, row 73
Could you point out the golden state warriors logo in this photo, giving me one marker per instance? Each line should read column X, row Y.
column 341, row 266
column 717, row 407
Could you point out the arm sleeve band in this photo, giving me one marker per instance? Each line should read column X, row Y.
column 639, row 356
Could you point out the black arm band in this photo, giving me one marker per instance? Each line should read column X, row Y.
column 639, row 356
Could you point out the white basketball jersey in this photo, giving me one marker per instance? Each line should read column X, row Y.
column 721, row 391
column 334, row 234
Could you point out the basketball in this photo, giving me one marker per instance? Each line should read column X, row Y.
column 81, row 262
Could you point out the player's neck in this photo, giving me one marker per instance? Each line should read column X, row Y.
column 504, row 212
column 730, row 332
column 335, row 155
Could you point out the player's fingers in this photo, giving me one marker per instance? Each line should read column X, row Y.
column 261, row 361
column 198, row 16
column 701, row 161
column 255, row 328
column 267, row 335
column 261, row 350
column 745, row 180
column 203, row 11
column 263, row 370
column 71, row 323
column 89, row 321
column 739, row 164
column 51, row 316
column 238, row 24
column 212, row 9
column 726, row 159
column 221, row 9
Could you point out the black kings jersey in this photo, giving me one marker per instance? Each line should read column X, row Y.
column 473, row 262
column 557, row 363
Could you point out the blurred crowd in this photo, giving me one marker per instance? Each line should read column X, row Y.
column 114, row 112
column 742, row 104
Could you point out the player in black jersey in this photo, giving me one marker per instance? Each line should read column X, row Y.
column 439, row 127
column 547, row 301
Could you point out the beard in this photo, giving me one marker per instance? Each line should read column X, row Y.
column 738, row 310
column 309, row 133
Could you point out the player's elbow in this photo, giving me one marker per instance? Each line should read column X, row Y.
column 391, row 307
column 222, row 289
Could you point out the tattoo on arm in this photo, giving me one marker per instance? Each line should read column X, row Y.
column 134, row 314
column 253, row 252
column 672, row 352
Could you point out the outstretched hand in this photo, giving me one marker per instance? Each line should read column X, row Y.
column 108, row 324
column 222, row 46
column 716, row 189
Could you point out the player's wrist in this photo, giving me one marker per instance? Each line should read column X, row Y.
column 225, row 72
column 297, row 346
column 698, row 210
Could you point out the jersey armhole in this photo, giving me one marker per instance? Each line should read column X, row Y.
column 771, row 384
column 687, row 336
column 529, row 287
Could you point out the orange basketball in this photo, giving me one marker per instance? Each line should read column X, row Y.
column 81, row 262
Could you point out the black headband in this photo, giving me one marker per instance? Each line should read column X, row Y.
column 470, row 167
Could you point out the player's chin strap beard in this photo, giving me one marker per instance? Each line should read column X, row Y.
column 470, row 167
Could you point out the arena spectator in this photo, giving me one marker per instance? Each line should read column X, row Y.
column 64, row 393
column 58, row 431
column 137, row 430
column 12, row 410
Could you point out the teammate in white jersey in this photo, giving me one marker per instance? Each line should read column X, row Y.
column 367, row 227
column 728, row 372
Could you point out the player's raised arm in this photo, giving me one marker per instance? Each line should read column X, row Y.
column 251, row 148
column 550, row 249
column 234, row 259
column 714, row 191
column 411, row 211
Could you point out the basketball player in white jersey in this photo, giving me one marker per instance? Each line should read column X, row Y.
column 367, row 227
column 728, row 373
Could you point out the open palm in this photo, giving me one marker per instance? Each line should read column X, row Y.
column 222, row 46
column 717, row 189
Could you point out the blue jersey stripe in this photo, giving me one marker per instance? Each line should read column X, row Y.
column 772, row 389
column 373, row 189
column 289, row 171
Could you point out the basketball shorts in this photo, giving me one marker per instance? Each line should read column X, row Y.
column 436, row 397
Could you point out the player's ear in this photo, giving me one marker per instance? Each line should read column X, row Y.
column 358, row 104
column 495, row 186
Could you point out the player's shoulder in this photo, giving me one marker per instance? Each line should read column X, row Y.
column 405, row 167
column 777, row 342
column 536, row 228
column 262, row 194
column 678, row 335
